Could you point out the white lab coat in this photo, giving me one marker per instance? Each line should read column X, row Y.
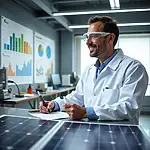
column 116, row 94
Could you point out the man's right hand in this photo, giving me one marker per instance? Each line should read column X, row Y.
column 46, row 107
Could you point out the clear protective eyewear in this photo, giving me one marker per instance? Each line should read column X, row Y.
column 94, row 35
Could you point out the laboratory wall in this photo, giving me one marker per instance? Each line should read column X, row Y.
column 20, row 14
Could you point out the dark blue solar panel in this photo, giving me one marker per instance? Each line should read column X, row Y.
column 84, row 136
column 21, row 133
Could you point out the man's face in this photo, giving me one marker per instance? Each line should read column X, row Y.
column 97, row 44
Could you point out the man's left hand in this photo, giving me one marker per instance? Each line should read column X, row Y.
column 75, row 111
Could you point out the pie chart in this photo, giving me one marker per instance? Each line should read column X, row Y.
column 40, row 50
column 48, row 52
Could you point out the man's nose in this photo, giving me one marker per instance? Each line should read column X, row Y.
column 89, row 41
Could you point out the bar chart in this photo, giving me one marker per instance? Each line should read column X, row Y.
column 18, row 44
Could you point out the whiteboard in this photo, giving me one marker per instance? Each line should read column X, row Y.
column 44, row 58
column 17, row 51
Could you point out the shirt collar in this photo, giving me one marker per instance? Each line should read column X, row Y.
column 106, row 61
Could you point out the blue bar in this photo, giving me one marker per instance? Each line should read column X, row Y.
column 16, row 45
column 5, row 46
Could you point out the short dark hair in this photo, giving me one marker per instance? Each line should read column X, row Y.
column 110, row 25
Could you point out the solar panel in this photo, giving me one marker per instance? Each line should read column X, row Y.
column 85, row 136
column 26, row 133
column 21, row 133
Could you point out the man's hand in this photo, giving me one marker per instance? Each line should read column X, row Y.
column 47, row 107
column 75, row 111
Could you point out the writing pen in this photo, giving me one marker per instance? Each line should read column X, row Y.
column 42, row 99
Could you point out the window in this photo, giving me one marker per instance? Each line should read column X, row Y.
column 138, row 47
column 86, row 60
column 133, row 45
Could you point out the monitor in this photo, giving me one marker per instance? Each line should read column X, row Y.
column 56, row 80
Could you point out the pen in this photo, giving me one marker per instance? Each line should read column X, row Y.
column 42, row 99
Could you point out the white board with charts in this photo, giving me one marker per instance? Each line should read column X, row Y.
column 17, row 51
column 44, row 58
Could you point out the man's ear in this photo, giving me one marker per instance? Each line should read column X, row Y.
column 111, row 38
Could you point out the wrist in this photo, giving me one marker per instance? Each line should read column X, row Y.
column 52, row 106
column 85, row 113
column 56, row 106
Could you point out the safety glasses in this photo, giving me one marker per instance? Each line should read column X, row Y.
column 94, row 35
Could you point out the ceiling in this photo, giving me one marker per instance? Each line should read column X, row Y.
column 44, row 9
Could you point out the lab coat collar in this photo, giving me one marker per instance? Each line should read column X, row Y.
column 97, row 64
column 114, row 63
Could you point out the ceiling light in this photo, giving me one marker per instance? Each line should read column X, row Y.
column 133, row 24
column 78, row 26
column 99, row 12
column 119, row 25
column 114, row 4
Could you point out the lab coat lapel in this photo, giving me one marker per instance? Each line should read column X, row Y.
column 113, row 65
column 94, row 74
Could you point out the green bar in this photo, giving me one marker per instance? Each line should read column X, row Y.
column 16, row 45
column 19, row 45
column 14, row 42
column 22, row 43
column 11, row 43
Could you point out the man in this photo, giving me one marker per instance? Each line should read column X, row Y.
column 111, row 89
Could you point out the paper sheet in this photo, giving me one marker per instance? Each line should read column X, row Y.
column 29, row 95
column 51, row 116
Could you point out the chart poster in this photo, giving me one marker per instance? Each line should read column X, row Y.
column 43, row 58
column 17, row 51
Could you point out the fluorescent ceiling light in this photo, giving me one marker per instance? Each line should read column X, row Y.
column 133, row 24
column 99, row 12
column 114, row 4
column 78, row 26
column 119, row 25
